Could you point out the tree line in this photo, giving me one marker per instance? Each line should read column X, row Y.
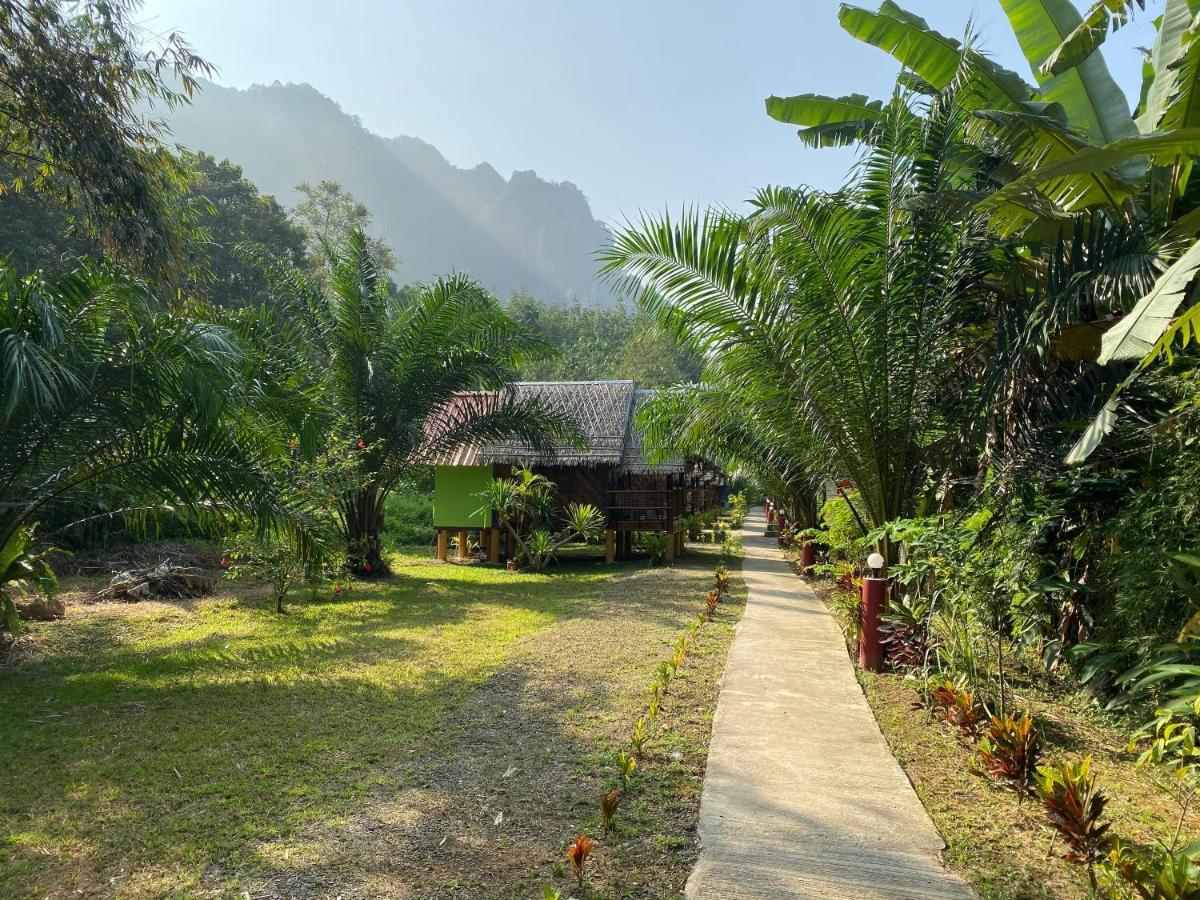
column 175, row 345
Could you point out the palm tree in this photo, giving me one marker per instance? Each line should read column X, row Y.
column 407, row 378
column 113, row 405
column 839, row 313
column 1096, row 195
column 718, row 420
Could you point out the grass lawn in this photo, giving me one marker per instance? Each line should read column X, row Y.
column 1004, row 847
column 437, row 734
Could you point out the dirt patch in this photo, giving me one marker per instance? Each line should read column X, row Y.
column 487, row 809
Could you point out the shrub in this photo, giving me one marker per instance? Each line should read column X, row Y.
column 721, row 579
column 737, row 509
column 1009, row 751
column 1154, row 874
column 842, row 534
column 639, row 737
column 958, row 707
column 665, row 672
column 1074, row 805
column 1173, row 754
column 578, row 852
column 626, row 766
column 656, row 544
column 904, row 633
column 710, row 604
column 608, row 809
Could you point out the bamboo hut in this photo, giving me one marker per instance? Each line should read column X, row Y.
column 609, row 471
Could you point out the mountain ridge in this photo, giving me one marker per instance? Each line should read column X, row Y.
column 517, row 233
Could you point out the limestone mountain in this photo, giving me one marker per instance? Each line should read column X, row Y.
column 511, row 233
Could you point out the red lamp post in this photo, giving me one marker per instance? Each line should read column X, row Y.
column 874, row 602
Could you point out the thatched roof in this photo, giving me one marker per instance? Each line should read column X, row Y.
column 633, row 459
column 602, row 410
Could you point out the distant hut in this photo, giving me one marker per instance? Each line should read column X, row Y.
column 610, row 471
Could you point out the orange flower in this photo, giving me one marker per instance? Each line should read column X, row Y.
column 578, row 853
column 361, row 445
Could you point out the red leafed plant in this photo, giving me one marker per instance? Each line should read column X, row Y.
column 578, row 852
column 710, row 604
column 1074, row 804
column 958, row 707
column 1009, row 751
column 608, row 809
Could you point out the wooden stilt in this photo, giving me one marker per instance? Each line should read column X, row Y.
column 680, row 545
column 627, row 542
column 494, row 545
column 462, row 544
column 670, row 547
column 443, row 544
column 610, row 546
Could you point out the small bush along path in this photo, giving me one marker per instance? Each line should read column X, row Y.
column 440, row 733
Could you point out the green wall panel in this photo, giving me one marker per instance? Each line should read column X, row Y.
column 456, row 492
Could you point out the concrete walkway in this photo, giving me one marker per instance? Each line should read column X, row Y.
column 802, row 797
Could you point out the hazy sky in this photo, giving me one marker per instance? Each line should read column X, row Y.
column 641, row 103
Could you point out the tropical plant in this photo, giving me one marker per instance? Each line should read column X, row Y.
column 283, row 555
column 608, row 809
column 1009, row 751
column 1154, row 874
column 737, row 509
column 904, row 631
column 639, row 736
column 958, row 706
column 22, row 567
column 1172, row 754
column 1073, row 805
column 626, row 766
column 406, row 379
column 525, row 506
column 578, row 852
column 840, row 313
column 665, row 671
column 115, row 406
column 657, row 544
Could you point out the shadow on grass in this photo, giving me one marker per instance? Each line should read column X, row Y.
column 193, row 736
